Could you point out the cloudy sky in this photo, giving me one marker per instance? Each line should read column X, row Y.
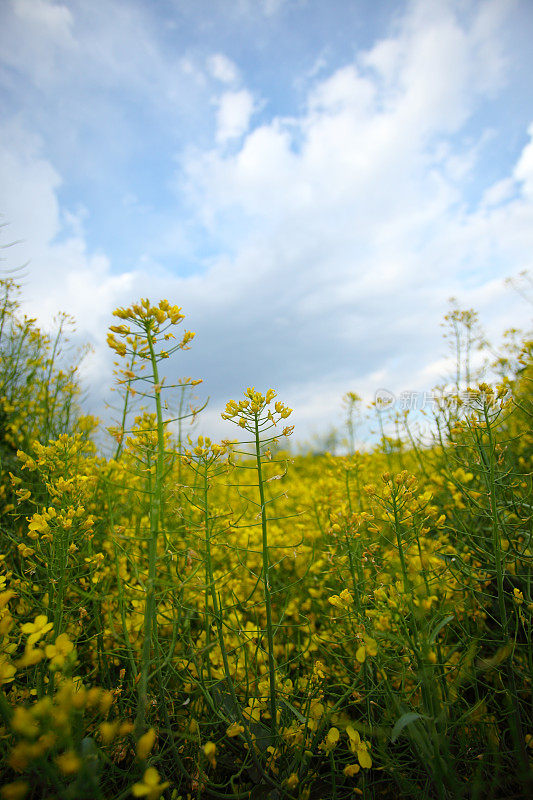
column 310, row 180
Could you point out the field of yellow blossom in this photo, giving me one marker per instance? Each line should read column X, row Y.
column 195, row 619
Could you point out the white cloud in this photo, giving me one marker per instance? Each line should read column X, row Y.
column 267, row 7
column 524, row 169
column 499, row 192
column 61, row 275
column 433, row 69
column 344, row 91
column 361, row 149
column 55, row 17
column 353, row 212
column 233, row 114
column 29, row 185
column 93, row 50
column 222, row 68
column 35, row 36
column 335, row 236
column 271, row 7
column 355, row 142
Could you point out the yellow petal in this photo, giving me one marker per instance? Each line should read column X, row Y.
column 371, row 646
column 364, row 758
column 361, row 654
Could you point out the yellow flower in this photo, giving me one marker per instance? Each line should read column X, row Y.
column 118, row 347
column 24, row 722
column 37, row 629
column 370, row 647
column 150, row 786
column 32, row 656
column 351, row 769
column 210, row 750
column 108, row 731
column 344, row 600
column 7, row 671
column 346, row 597
column 292, row 781
column 5, row 597
column 145, row 744
column 518, row 597
column 331, row 740
column 59, row 651
column 359, row 747
column 38, row 524
column 125, row 728
column 234, row 729
column 253, row 407
column 69, row 763
column 14, row 791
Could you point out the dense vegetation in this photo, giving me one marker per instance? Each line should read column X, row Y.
column 187, row 620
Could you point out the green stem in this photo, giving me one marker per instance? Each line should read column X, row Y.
column 150, row 619
column 217, row 614
column 512, row 697
column 266, row 582
column 120, row 443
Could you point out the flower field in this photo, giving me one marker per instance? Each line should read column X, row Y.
column 191, row 619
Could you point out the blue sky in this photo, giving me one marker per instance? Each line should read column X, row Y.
column 311, row 181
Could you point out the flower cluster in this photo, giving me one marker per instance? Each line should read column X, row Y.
column 205, row 450
column 148, row 323
column 251, row 411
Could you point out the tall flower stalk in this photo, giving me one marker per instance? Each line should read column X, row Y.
column 150, row 327
column 254, row 415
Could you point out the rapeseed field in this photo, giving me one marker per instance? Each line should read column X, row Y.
column 195, row 619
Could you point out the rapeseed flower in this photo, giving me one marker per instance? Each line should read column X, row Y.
column 359, row 747
column 59, row 651
column 37, row 629
column 330, row 741
column 14, row 791
column 210, row 750
column 369, row 647
column 69, row 763
column 234, row 729
column 150, row 786
column 145, row 744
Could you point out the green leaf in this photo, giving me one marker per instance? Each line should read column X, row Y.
column 295, row 711
column 405, row 719
column 439, row 627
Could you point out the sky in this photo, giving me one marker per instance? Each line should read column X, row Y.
column 310, row 181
